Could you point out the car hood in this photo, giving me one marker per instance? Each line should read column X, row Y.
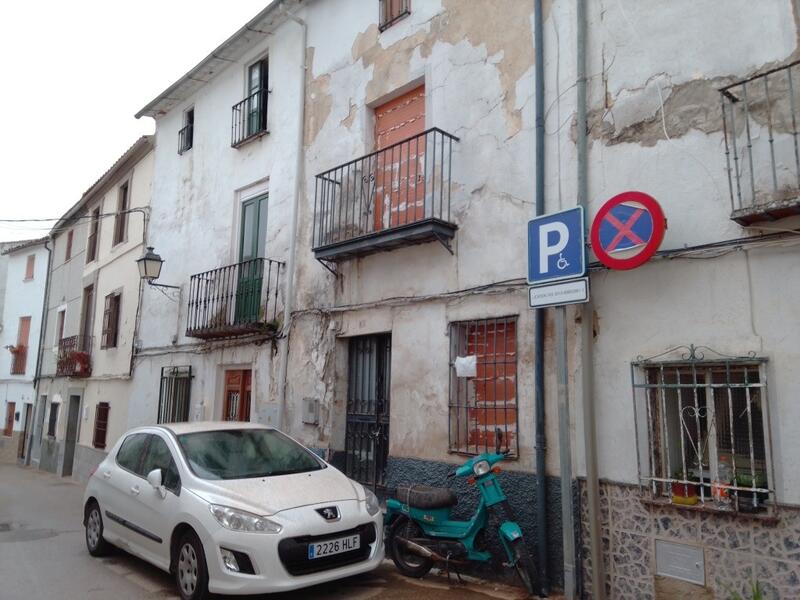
column 270, row 495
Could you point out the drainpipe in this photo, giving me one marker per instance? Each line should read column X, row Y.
column 290, row 263
column 587, row 328
column 38, row 370
column 538, row 316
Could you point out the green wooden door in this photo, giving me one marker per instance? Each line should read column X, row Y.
column 252, row 242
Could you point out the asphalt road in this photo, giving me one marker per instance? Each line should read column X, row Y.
column 43, row 555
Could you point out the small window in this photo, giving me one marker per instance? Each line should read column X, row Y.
column 30, row 265
column 100, row 425
column 702, row 431
column 392, row 11
column 159, row 457
column 131, row 452
column 111, row 320
column 121, row 218
column 174, row 395
column 68, row 251
column 250, row 115
column 94, row 232
column 60, row 325
column 53, row 420
column 484, row 399
column 186, row 134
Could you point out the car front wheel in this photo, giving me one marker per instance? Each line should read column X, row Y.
column 95, row 544
column 191, row 573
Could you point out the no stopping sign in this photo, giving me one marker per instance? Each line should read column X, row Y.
column 628, row 230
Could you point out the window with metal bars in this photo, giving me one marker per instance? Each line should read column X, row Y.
column 100, row 425
column 174, row 394
column 486, row 401
column 392, row 11
column 52, row 421
column 703, row 430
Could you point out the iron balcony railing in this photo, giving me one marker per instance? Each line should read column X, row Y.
column 399, row 185
column 74, row 356
column 760, row 123
column 19, row 360
column 234, row 300
column 249, row 118
column 185, row 138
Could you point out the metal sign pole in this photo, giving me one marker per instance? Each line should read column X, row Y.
column 565, row 453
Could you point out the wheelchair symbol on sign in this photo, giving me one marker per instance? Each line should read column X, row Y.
column 561, row 263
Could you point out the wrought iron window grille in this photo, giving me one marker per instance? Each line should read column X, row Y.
column 249, row 118
column 488, row 400
column 174, row 395
column 702, row 429
column 185, row 138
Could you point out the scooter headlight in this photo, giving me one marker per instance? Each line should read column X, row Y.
column 481, row 468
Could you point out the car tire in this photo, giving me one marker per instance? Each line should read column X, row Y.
column 191, row 572
column 95, row 543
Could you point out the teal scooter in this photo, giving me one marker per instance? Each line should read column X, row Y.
column 420, row 533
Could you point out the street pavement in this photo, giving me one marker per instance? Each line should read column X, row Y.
column 43, row 555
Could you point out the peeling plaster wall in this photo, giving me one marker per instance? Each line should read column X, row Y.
column 195, row 223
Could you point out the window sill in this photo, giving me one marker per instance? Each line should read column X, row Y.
column 250, row 138
column 762, row 517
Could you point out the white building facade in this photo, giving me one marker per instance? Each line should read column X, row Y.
column 25, row 278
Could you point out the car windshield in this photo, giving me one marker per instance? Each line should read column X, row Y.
column 245, row 453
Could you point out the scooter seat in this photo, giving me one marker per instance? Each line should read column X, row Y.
column 423, row 496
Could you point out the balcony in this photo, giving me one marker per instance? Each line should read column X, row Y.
column 394, row 197
column 74, row 356
column 760, row 122
column 235, row 300
column 19, row 359
column 249, row 118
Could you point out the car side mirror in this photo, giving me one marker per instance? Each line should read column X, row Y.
column 154, row 479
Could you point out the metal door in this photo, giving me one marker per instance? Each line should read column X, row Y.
column 367, row 432
column 72, row 434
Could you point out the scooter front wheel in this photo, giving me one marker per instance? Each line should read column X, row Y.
column 523, row 563
column 406, row 561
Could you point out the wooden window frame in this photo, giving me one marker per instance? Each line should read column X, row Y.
column 68, row 249
column 100, row 430
column 93, row 241
column 121, row 218
column 30, row 267
column 111, row 316
column 387, row 15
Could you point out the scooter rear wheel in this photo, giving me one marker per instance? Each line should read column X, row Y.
column 408, row 563
column 523, row 563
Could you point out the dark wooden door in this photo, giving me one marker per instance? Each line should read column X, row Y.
column 71, row 437
column 23, row 440
column 238, row 391
column 11, row 407
column 367, row 430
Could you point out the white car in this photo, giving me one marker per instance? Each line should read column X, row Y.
column 231, row 508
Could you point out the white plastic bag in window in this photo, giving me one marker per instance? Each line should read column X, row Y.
column 466, row 366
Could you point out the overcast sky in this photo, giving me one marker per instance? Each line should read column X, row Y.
column 74, row 74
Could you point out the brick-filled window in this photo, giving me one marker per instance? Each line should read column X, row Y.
column 30, row 266
column 111, row 320
column 392, row 11
column 53, row 420
column 486, row 399
column 68, row 251
column 100, row 425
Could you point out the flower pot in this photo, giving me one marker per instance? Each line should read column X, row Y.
column 684, row 493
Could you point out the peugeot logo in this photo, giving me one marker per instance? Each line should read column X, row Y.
column 329, row 513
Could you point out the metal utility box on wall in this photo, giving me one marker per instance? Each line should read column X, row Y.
column 310, row 411
column 680, row 561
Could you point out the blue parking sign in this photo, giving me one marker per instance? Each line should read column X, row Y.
column 556, row 246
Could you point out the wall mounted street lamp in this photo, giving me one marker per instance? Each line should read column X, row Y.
column 150, row 268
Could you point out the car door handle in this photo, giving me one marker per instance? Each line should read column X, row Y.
column 107, row 475
column 135, row 490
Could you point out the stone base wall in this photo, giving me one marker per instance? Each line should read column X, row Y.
column 9, row 446
column 738, row 549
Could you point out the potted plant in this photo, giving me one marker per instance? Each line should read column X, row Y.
column 748, row 500
column 685, row 493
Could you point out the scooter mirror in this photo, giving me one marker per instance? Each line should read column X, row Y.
column 498, row 439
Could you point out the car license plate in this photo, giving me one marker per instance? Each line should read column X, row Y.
column 337, row 546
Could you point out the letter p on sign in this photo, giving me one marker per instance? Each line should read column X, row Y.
column 556, row 247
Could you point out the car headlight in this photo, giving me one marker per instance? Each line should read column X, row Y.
column 481, row 468
column 240, row 520
column 373, row 506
